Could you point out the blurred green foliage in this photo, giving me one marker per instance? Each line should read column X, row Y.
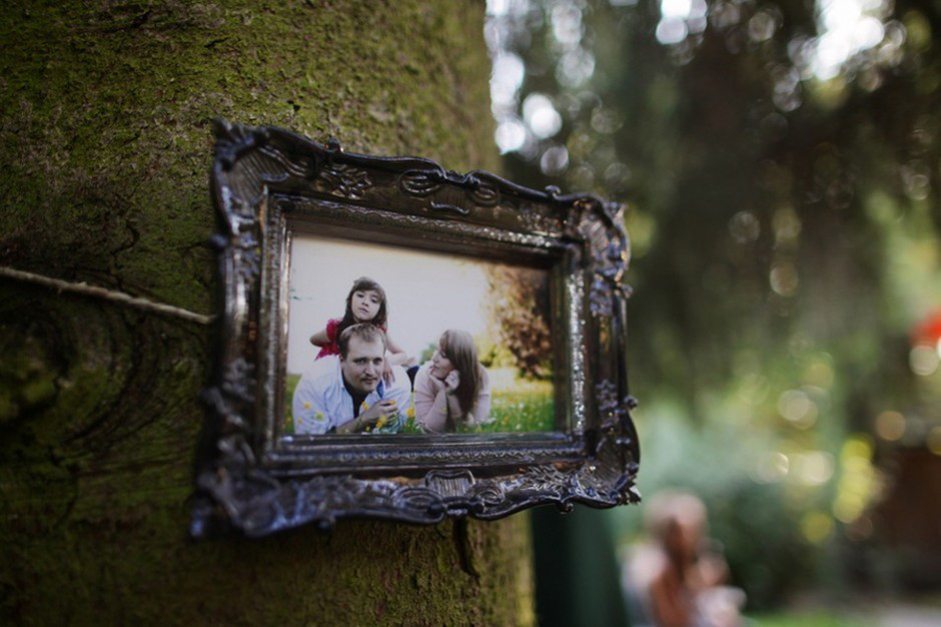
column 785, row 209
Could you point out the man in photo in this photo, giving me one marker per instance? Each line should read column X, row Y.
column 347, row 393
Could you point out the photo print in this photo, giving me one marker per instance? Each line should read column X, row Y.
column 387, row 339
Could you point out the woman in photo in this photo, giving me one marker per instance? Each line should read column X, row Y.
column 452, row 390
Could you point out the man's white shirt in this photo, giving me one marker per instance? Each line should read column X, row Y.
column 322, row 403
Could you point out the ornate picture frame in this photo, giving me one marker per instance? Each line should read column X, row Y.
column 269, row 185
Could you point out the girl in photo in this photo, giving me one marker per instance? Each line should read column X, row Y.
column 366, row 302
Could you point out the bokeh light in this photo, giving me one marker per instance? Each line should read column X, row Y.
column 541, row 116
column 890, row 425
column 923, row 360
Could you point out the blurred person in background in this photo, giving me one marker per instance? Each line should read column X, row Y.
column 673, row 580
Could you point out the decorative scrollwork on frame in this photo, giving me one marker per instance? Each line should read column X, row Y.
column 233, row 141
column 239, row 381
column 265, row 506
column 485, row 194
column 303, row 167
column 249, row 482
column 420, row 183
column 600, row 224
column 250, row 254
column 615, row 414
column 443, row 206
column 346, row 180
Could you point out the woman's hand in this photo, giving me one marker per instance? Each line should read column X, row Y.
column 452, row 381
column 387, row 375
column 437, row 384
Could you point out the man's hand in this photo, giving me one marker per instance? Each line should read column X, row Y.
column 380, row 412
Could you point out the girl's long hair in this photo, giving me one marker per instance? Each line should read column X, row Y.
column 458, row 347
column 363, row 284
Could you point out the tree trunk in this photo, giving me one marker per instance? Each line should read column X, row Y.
column 105, row 111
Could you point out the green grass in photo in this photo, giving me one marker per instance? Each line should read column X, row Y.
column 287, row 424
column 525, row 407
column 808, row 618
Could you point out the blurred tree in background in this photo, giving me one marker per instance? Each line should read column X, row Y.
column 519, row 309
column 781, row 162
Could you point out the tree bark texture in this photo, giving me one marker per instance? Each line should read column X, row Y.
column 105, row 149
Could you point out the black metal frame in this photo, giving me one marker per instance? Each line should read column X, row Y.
column 267, row 183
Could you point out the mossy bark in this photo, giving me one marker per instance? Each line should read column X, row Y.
column 105, row 147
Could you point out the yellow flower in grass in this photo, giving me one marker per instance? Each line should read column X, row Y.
column 410, row 412
column 380, row 422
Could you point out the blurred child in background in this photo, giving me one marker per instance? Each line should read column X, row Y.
column 672, row 580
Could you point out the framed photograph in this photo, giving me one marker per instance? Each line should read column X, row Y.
column 402, row 341
column 485, row 324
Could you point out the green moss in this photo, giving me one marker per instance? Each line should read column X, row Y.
column 105, row 111
column 117, row 115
